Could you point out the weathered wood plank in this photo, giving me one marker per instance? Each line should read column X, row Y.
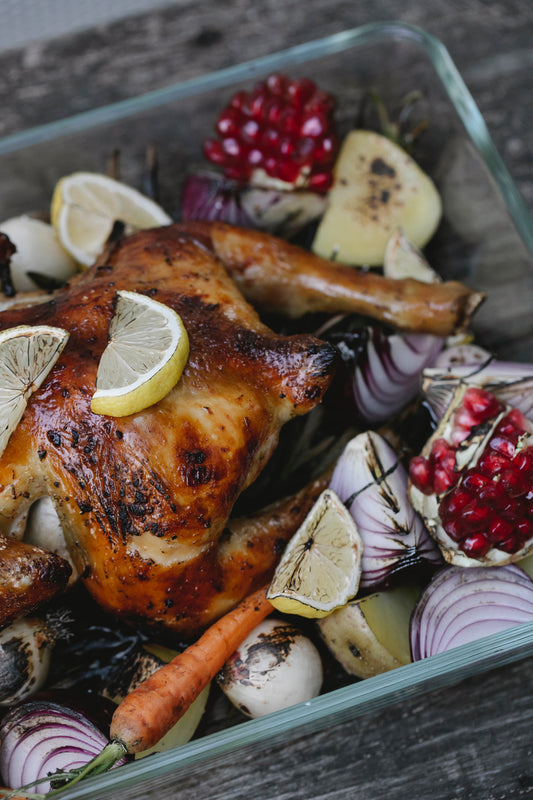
column 469, row 742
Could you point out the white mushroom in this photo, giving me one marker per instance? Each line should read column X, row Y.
column 275, row 667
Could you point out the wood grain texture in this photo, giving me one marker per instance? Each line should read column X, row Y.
column 470, row 742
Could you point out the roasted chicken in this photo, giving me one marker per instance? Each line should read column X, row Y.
column 145, row 500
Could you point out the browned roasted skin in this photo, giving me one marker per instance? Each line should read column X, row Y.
column 144, row 500
column 28, row 577
column 278, row 276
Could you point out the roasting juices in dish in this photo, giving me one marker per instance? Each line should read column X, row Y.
column 151, row 425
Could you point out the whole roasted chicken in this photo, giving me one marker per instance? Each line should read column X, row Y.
column 145, row 501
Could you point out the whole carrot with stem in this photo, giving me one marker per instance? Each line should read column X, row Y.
column 153, row 707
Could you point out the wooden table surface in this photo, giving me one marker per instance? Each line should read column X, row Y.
column 470, row 742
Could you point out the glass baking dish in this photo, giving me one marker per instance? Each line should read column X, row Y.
column 485, row 240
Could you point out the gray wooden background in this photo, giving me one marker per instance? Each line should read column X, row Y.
column 470, row 742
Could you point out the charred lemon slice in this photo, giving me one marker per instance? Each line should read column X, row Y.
column 321, row 566
column 27, row 354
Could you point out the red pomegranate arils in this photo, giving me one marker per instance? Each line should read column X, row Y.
column 289, row 124
column 474, row 485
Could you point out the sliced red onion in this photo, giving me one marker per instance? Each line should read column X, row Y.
column 462, row 604
column 41, row 737
column 510, row 382
column 372, row 483
column 210, row 196
column 385, row 369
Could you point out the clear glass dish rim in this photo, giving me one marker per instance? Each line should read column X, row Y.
column 376, row 693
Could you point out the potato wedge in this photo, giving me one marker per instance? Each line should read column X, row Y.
column 377, row 188
column 371, row 635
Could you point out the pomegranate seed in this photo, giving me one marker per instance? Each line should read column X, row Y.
column 232, row 147
column 502, row 446
column 474, row 481
column 525, row 529
column 314, row 126
column 455, row 502
column 228, row 122
column 287, row 146
column 516, row 418
column 421, row 474
column 270, row 164
column 442, row 481
column 213, row 151
column 475, row 517
column 325, row 150
column 477, row 545
column 255, row 157
column 305, row 151
column 270, row 139
column 491, row 465
column 482, row 404
column 273, row 111
column 289, row 122
column 499, row 529
column 513, row 483
column 510, row 545
column 523, row 461
column 239, row 100
column 276, row 83
column 454, row 529
column 300, row 91
column 493, row 495
column 288, row 171
column 320, row 182
column 256, row 104
column 250, row 131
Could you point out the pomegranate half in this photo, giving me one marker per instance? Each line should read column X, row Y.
column 473, row 482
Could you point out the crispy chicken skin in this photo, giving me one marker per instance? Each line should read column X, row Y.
column 277, row 276
column 28, row 577
column 145, row 500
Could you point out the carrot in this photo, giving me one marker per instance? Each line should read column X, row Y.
column 150, row 710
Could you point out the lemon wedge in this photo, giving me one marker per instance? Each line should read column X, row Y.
column 27, row 354
column 86, row 206
column 321, row 566
column 146, row 353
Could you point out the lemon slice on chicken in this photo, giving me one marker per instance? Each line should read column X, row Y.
column 321, row 566
column 86, row 206
column 146, row 353
column 27, row 354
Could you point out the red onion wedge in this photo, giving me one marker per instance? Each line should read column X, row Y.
column 41, row 737
column 462, row 604
column 209, row 196
column 372, row 483
column 385, row 369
